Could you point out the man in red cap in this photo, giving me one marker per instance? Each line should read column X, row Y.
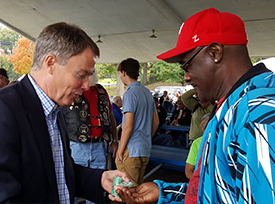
column 4, row 79
column 237, row 152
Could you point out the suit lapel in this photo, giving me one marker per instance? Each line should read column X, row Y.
column 38, row 122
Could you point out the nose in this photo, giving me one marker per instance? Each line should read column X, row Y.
column 186, row 77
column 85, row 85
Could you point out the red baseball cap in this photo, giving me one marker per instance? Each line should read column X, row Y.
column 206, row 27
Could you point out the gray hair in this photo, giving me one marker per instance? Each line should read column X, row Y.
column 116, row 99
column 63, row 41
column 205, row 118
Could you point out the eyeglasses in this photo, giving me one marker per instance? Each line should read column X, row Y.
column 191, row 58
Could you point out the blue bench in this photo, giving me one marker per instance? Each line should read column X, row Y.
column 184, row 128
column 167, row 157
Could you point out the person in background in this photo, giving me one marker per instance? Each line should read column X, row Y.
column 161, row 112
column 181, row 116
column 91, row 127
column 237, row 157
column 35, row 158
column 117, row 105
column 193, row 152
column 175, row 98
column 160, row 138
column 165, row 101
column 4, row 79
column 199, row 109
column 139, row 124
column 164, row 97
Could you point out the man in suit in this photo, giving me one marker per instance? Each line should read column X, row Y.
column 35, row 159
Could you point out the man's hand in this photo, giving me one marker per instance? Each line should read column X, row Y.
column 175, row 122
column 113, row 146
column 120, row 153
column 145, row 193
column 108, row 176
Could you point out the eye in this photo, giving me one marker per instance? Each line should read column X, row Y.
column 185, row 67
column 81, row 76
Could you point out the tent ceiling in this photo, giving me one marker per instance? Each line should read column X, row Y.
column 125, row 25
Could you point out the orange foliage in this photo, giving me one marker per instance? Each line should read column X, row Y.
column 22, row 56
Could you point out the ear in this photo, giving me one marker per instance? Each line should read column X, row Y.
column 123, row 73
column 215, row 51
column 50, row 62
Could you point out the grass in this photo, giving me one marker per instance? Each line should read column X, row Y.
column 112, row 90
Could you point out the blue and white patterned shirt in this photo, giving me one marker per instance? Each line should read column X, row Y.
column 51, row 111
column 238, row 158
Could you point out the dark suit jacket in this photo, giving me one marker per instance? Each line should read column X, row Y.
column 27, row 173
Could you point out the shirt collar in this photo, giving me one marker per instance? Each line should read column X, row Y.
column 136, row 83
column 48, row 105
column 253, row 71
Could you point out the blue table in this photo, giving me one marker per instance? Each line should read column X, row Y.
column 170, row 157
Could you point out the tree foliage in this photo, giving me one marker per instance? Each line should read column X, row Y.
column 7, row 35
column 106, row 70
column 156, row 71
column 22, row 56
column 254, row 60
column 165, row 72
column 8, row 66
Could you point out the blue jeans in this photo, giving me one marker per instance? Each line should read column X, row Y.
column 92, row 155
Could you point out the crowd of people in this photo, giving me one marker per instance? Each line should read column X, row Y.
column 58, row 126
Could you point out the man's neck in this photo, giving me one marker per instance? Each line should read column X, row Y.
column 130, row 81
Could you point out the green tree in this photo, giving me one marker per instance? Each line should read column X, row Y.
column 166, row 72
column 7, row 35
column 254, row 60
column 8, row 66
column 106, row 70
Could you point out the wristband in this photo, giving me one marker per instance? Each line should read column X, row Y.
column 114, row 141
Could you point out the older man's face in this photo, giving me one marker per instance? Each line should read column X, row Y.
column 200, row 73
column 69, row 81
column 119, row 103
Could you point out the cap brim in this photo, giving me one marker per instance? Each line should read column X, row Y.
column 171, row 56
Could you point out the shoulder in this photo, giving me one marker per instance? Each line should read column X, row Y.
column 11, row 93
